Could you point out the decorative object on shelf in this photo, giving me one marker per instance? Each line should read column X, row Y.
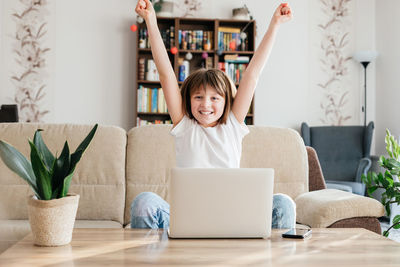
column 174, row 50
column 190, row 7
column 139, row 19
column 133, row 27
column 204, row 55
column 51, row 210
column 184, row 69
column 166, row 8
column 388, row 181
column 189, row 56
column 232, row 45
column 141, row 69
column 219, row 52
column 152, row 73
column 157, row 5
column 241, row 13
column 243, row 35
column 365, row 57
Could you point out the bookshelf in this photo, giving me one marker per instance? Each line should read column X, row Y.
column 210, row 43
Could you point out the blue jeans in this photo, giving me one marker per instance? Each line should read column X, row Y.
column 148, row 210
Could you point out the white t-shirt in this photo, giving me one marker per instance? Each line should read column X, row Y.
column 212, row 147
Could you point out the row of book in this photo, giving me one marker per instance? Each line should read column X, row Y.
column 168, row 36
column 233, row 70
column 195, row 40
column 151, row 100
column 229, row 39
column 142, row 122
column 234, row 66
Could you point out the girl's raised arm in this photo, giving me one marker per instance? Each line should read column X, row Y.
column 167, row 76
column 249, row 81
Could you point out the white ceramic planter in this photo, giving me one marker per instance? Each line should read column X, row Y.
column 52, row 221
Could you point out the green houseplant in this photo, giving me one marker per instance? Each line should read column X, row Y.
column 51, row 210
column 388, row 181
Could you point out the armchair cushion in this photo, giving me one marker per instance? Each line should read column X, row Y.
column 321, row 208
column 356, row 188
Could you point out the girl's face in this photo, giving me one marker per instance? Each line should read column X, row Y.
column 207, row 106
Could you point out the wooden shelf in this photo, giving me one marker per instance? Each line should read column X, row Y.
column 238, row 52
column 148, row 82
column 153, row 113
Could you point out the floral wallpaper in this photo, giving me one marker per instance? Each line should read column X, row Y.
column 334, row 61
column 30, row 55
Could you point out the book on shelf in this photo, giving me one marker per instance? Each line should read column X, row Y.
column 195, row 40
column 233, row 70
column 167, row 35
column 235, row 58
column 151, row 100
column 209, row 62
column 231, row 35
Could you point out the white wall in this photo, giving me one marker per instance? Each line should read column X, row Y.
column 387, row 65
column 95, row 59
column 92, row 62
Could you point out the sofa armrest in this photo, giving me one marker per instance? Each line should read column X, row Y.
column 322, row 208
column 363, row 167
column 316, row 179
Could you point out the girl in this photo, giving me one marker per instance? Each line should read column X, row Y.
column 208, row 119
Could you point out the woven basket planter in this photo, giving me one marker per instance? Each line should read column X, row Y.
column 52, row 221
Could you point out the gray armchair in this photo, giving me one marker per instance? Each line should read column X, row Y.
column 344, row 153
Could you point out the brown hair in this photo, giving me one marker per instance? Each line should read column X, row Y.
column 214, row 78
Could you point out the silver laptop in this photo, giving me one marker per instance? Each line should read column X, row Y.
column 221, row 203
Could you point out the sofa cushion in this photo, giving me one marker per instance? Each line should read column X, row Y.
column 151, row 154
column 322, row 208
column 99, row 178
column 281, row 149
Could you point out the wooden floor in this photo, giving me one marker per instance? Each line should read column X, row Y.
column 130, row 247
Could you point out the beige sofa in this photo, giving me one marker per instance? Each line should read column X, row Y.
column 118, row 166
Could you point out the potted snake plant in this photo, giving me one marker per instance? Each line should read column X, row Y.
column 51, row 209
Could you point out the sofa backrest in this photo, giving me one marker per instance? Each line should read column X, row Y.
column 99, row 178
column 151, row 154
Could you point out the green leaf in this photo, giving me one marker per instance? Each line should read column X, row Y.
column 381, row 160
column 393, row 164
column 76, row 156
column 61, row 169
column 397, row 226
column 396, row 219
column 48, row 157
column 66, row 184
column 56, row 192
column 17, row 162
column 374, row 178
column 386, row 233
column 371, row 189
column 43, row 176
